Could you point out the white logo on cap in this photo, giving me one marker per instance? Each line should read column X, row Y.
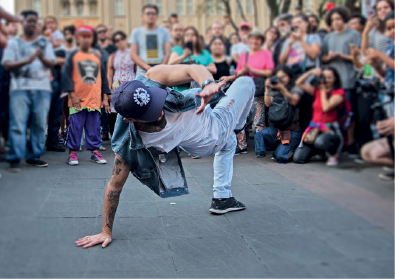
column 141, row 97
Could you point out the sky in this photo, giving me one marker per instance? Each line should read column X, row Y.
column 8, row 5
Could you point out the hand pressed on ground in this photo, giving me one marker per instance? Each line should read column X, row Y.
column 89, row 241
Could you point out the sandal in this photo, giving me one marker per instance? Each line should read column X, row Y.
column 101, row 148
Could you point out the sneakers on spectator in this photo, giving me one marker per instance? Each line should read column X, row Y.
column 333, row 161
column 260, row 154
column 73, row 161
column 240, row 151
column 15, row 167
column 388, row 169
column 353, row 151
column 97, row 158
column 389, row 176
column 225, row 205
column 37, row 163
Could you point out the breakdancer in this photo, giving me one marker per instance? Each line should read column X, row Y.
column 154, row 120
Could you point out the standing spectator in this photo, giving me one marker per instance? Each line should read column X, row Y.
column 314, row 22
column 282, row 140
column 237, row 49
column 208, row 37
column 12, row 29
column 110, row 31
column 337, row 53
column 151, row 44
column 283, row 24
column 52, row 32
column 85, row 85
column 176, row 34
column 234, row 39
column 218, row 30
column 272, row 36
column 102, row 31
column 182, row 54
column 301, row 51
column 68, row 33
column 120, row 68
column 357, row 22
column 29, row 58
column 165, row 24
column 255, row 63
column 374, row 34
column 173, row 18
column 222, row 64
column 328, row 96
column 39, row 28
column 8, row 18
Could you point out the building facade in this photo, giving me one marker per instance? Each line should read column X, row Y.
column 126, row 14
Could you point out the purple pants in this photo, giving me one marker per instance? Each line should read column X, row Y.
column 90, row 120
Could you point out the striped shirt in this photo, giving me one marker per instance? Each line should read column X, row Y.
column 379, row 41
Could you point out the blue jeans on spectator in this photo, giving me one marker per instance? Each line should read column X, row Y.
column 27, row 109
column 266, row 140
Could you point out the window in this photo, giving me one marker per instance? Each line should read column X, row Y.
column 37, row 6
column 119, row 7
column 220, row 7
column 189, row 7
column 180, row 7
column 210, row 7
column 66, row 8
column 250, row 7
column 160, row 6
column 93, row 8
column 79, row 8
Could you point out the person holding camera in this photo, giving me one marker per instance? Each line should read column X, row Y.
column 378, row 151
column 323, row 133
column 283, row 135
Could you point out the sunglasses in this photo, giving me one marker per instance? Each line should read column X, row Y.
column 101, row 31
column 118, row 40
column 150, row 14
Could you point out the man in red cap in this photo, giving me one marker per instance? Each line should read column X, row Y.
column 237, row 49
column 84, row 78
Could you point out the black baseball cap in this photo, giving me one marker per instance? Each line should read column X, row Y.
column 132, row 99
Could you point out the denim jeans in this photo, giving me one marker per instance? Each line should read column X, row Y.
column 231, row 113
column 266, row 140
column 27, row 109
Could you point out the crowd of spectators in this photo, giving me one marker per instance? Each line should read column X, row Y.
column 309, row 104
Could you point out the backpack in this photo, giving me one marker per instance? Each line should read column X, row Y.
column 281, row 112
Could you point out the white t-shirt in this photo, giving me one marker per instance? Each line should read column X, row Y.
column 196, row 134
column 239, row 48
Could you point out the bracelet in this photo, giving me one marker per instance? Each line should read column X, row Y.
column 283, row 90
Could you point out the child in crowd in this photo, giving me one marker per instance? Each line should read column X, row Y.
column 84, row 77
column 52, row 32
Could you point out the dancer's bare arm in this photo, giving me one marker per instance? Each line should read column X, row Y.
column 114, row 188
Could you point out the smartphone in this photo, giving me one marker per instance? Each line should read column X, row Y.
column 372, row 12
column 190, row 46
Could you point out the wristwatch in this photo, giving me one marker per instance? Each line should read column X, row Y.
column 206, row 82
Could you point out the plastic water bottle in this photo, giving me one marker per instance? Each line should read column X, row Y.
column 232, row 70
column 367, row 73
column 348, row 120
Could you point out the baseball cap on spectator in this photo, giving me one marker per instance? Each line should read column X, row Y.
column 84, row 30
column 134, row 100
column 245, row 25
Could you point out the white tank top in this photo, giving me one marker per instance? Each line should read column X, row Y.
column 196, row 134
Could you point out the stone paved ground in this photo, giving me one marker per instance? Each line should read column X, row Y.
column 301, row 221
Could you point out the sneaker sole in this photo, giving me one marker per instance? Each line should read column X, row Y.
column 385, row 178
column 73, row 164
column 217, row 211
column 41, row 166
column 98, row 162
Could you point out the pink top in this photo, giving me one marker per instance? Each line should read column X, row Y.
column 262, row 60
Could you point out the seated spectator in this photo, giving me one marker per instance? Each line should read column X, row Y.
column 357, row 22
column 256, row 63
column 328, row 96
column 283, row 140
column 222, row 63
column 272, row 36
column 301, row 51
column 120, row 68
column 218, row 29
column 52, row 32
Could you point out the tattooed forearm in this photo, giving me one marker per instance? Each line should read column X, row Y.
column 152, row 127
column 113, row 199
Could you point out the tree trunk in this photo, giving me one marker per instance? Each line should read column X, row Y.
column 241, row 10
column 286, row 7
column 274, row 9
column 228, row 11
column 256, row 13
column 351, row 5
